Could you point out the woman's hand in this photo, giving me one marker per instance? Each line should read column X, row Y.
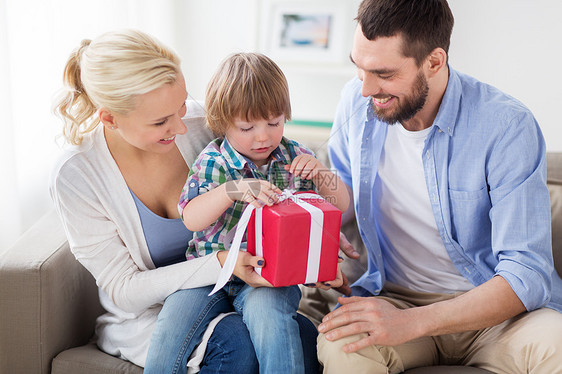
column 254, row 191
column 244, row 268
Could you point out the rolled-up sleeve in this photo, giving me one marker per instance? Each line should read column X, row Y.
column 205, row 174
column 520, row 213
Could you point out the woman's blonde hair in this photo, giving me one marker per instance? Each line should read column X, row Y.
column 249, row 86
column 111, row 71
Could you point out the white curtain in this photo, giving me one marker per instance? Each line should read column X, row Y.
column 36, row 37
column 10, row 217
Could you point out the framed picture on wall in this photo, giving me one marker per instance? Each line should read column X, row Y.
column 308, row 31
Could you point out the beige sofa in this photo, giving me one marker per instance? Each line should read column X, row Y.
column 49, row 301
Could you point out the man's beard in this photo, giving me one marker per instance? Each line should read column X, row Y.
column 410, row 105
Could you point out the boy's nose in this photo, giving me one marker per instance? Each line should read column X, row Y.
column 261, row 136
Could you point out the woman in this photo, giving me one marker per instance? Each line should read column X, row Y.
column 116, row 190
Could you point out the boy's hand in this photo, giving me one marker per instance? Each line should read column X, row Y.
column 254, row 191
column 306, row 166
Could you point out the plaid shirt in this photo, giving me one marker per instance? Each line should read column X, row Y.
column 219, row 163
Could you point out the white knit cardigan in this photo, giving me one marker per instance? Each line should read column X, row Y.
column 105, row 234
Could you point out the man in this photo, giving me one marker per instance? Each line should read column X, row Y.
column 449, row 185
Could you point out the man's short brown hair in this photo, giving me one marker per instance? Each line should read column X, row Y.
column 423, row 24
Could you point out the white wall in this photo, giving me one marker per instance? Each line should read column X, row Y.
column 36, row 38
column 210, row 30
column 207, row 31
column 514, row 45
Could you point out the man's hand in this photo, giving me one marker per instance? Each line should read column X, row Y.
column 384, row 323
column 344, row 288
column 347, row 248
column 340, row 284
column 336, row 283
column 486, row 305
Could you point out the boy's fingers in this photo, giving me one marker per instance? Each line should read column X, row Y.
column 298, row 164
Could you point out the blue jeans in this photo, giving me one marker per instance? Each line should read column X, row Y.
column 182, row 322
column 180, row 327
column 230, row 349
column 270, row 315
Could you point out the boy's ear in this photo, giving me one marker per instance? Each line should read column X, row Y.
column 107, row 118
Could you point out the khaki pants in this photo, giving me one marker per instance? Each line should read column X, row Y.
column 528, row 343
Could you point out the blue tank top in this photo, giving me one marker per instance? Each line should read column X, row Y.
column 167, row 239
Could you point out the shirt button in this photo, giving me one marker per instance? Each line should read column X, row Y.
column 192, row 184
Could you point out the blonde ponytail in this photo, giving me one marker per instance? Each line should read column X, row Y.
column 74, row 105
column 111, row 71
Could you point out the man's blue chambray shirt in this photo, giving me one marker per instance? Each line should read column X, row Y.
column 485, row 169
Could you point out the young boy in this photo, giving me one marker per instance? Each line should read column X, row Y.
column 247, row 105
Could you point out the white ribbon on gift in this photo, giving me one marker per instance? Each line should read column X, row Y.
column 314, row 242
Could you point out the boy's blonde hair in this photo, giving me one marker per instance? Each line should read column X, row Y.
column 249, row 86
column 111, row 71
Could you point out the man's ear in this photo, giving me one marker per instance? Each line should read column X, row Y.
column 107, row 118
column 436, row 61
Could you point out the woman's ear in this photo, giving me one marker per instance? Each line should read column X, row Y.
column 436, row 61
column 107, row 118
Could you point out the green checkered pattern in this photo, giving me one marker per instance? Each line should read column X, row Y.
column 219, row 163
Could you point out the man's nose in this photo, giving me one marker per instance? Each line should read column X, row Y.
column 370, row 86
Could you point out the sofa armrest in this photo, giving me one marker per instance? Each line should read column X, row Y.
column 49, row 301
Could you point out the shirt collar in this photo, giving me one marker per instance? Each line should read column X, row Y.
column 281, row 153
column 232, row 156
column 238, row 161
column 449, row 108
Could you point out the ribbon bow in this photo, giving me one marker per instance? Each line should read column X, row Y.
column 317, row 217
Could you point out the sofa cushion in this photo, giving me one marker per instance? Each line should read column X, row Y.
column 447, row 370
column 88, row 359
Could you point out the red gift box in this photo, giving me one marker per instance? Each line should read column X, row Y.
column 299, row 241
